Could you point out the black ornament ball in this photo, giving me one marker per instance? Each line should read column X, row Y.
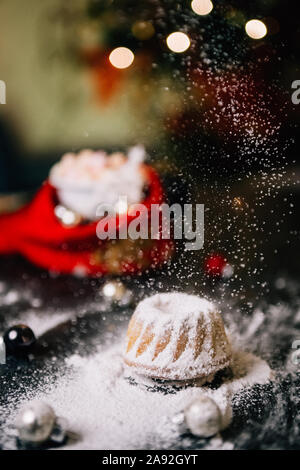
column 19, row 340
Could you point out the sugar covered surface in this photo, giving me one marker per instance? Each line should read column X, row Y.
column 179, row 305
column 120, row 414
column 108, row 406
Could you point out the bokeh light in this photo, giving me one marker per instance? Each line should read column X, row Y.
column 256, row 29
column 121, row 57
column 202, row 7
column 178, row 42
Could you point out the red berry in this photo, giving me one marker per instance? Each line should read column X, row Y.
column 215, row 264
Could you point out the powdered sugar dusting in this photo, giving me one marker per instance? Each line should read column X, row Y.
column 181, row 337
column 41, row 323
column 90, row 178
column 177, row 304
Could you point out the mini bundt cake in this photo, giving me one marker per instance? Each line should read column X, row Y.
column 177, row 336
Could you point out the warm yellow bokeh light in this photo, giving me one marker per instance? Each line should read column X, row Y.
column 256, row 29
column 121, row 207
column 202, row 7
column 178, row 42
column 121, row 57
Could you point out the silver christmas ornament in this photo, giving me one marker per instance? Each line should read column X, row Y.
column 203, row 417
column 114, row 291
column 67, row 217
column 35, row 423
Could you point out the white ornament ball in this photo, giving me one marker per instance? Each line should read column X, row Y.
column 35, row 422
column 203, row 417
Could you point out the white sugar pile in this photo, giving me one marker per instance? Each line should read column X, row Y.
column 106, row 411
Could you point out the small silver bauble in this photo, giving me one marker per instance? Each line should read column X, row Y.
column 114, row 291
column 35, row 422
column 203, row 417
column 67, row 217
